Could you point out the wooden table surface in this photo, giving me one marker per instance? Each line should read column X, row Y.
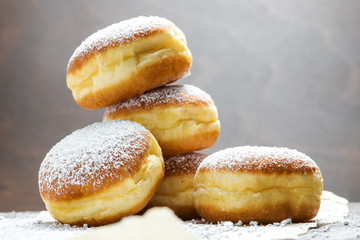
column 30, row 226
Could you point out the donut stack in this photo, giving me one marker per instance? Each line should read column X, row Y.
column 143, row 153
column 115, row 167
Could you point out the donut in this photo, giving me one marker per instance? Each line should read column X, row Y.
column 176, row 189
column 263, row 184
column 182, row 118
column 126, row 59
column 101, row 173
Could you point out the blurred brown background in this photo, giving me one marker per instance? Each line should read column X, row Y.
column 282, row 73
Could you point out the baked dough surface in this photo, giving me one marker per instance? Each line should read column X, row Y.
column 183, row 118
column 126, row 59
column 257, row 184
column 101, row 173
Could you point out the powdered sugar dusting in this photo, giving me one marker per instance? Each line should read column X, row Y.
column 259, row 159
column 183, row 164
column 41, row 226
column 93, row 157
column 171, row 94
column 118, row 34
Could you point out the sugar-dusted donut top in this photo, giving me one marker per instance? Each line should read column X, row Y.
column 260, row 159
column 92, row 158
column 186, row 163
column 117, row 34
column 176, row 95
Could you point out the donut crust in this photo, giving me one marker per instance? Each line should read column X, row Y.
column 258, row 184
column 181, row 117
column 126, row 59
column 176, row 189
column 107, row 194
column 259, row 199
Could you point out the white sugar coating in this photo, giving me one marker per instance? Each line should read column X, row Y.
column 264, row 159
column 40, row 225
column 36, row 226
column 253, row 223
column 286, row 222
column 92, row 156
column 119, row 33
column 186, row 163
column 239, row 223
column 175, row 94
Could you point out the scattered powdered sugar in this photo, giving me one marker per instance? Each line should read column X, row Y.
column 40, row 225
column 228, row 230
column 262, row 159
column 253, row 223
column 285, row 222
column 186, row 163
column 171, row 94
column 227, row 224
column 92, row 157
column 239, row 223
column 117, row 34
column 35, row 226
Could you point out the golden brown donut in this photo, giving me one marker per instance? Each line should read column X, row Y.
column 126, row 59
column 101, row 173
column 262, row 184
column 176, row 189
column 182, row 118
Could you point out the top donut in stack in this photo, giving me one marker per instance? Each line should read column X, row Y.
column 126, row 59
column 126, row 66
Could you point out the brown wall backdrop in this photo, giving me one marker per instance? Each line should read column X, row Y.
column 282, row 73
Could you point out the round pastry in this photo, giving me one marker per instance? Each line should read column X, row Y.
column 260, row 184
column 101, row 173
column 176, row 189
column 182, row 118
column 126, row 59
